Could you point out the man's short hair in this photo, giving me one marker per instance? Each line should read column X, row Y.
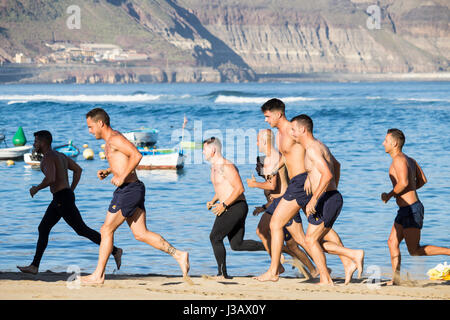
column 273, row 105
column 398, row 136
column 305, row 121
column 214, row 141
column 44, row 135
column 98, row 114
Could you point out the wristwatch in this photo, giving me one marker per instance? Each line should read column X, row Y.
column 225, row 206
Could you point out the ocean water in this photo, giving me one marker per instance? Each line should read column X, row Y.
column 351, row 118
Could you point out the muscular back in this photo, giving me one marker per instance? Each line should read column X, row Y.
column 58, row 162
column 293, row 153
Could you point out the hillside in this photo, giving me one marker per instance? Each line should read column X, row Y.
column 229, row 40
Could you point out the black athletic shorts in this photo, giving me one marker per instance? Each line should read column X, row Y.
column 128, row 197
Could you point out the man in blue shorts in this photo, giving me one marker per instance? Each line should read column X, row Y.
column 406, row 176
column 325, row 203
column 128, row 199
column 295, row 196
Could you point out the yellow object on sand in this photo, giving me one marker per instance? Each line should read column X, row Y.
column 101, row 154
column 85, row 145
column 102, row 146
column 10, row 163
column 440, row 272
column 88, row 154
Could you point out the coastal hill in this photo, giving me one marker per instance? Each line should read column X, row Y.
column 221, row 40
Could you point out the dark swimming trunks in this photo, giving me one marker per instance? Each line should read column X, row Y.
column 295, row 190
column 128, row 197
column 328, row 208
column 271, row 209
column 411, row 216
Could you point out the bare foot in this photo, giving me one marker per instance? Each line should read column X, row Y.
column 92, row 280
column 360, row 262
column 29, row 269
column 118, row 258
column 267, row 277
column 182, row 258
column 349, row 271
column 325, row 283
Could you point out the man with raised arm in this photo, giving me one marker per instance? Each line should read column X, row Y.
column 128, row 199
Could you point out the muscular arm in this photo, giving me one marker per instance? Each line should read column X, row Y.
column 76, row 169
column 270, row 184
column 401, row 169
column 420, row 177
column 326, row 176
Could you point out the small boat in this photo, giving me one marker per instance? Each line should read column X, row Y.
column 34, row 159
column 68, row 149
column 14, row 152
column 143, row 137
column 152, row 159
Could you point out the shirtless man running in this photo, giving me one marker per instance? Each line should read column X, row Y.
column 275, row 185
column 294, row 155
column 325, row 203
column 55, row 166
column 406, row 176
column 232, row 209
column 128, row 200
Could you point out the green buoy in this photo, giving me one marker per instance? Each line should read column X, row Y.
column 19, row 138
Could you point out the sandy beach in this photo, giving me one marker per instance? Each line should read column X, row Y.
column 54, row 286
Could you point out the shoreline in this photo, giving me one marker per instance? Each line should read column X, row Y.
column 54, row 286
column 97, row 74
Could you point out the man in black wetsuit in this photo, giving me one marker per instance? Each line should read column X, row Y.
column 232, row 209
column 55, row 166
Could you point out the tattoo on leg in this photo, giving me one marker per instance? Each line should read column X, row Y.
column 167, row 247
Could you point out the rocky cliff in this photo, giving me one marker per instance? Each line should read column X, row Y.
column 229, row 40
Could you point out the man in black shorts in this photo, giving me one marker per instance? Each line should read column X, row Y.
column 232, row 209
column 54, row 165
column 407, row 177
column 325, row 203
column 128, row 200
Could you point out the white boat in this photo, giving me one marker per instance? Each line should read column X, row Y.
column 14, row 152
column 33, row 160
column 143, row 137
column 161, row 159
